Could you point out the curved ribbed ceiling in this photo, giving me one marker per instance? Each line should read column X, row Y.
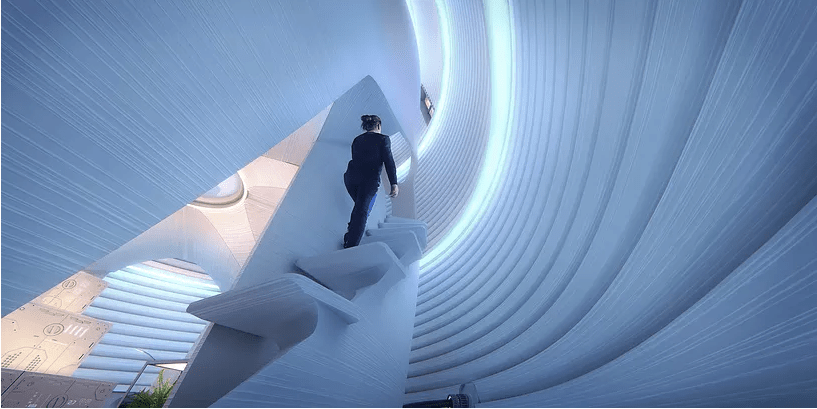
column 657, row 150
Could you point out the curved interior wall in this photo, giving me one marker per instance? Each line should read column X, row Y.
column 661, row 179
column 447, row 171
column 116, row 115
column 426, row 23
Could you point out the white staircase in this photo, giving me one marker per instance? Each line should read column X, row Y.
column 339, row 289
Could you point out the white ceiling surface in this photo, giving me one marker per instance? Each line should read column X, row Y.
column 636, row 254
column 123, row 112
column 296, row 147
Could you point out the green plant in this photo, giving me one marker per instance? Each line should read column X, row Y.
column 155, row 398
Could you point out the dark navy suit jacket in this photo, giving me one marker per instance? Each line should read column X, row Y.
column 371, row 151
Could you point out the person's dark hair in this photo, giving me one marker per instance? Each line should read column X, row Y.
column 369, row 122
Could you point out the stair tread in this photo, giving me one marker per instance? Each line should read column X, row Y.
column 271, row 307
column 349, row 270
column 403, row 243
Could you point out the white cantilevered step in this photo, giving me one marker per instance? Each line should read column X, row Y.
column 395, row 219
column 403, row 243
column 419, row 229
column 347, row 271
column 270, row 308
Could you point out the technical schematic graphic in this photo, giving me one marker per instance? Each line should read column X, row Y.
column 74, row 294
column 44, row 339
column 37, row 390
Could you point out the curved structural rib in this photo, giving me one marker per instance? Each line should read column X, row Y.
column 657, row 146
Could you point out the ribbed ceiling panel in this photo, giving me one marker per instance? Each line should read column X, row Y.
column 656, row 147
column 151, row 316
column 446, row 173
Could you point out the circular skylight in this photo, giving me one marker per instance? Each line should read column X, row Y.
column 226, row 193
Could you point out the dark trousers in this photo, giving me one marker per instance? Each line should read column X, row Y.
column 363, row 193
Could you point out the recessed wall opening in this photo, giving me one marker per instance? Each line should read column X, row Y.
column 426, row 105
column 226, row 193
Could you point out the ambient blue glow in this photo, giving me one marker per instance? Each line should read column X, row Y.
column 500, row 48
column 173, row 278
column 403, row 170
